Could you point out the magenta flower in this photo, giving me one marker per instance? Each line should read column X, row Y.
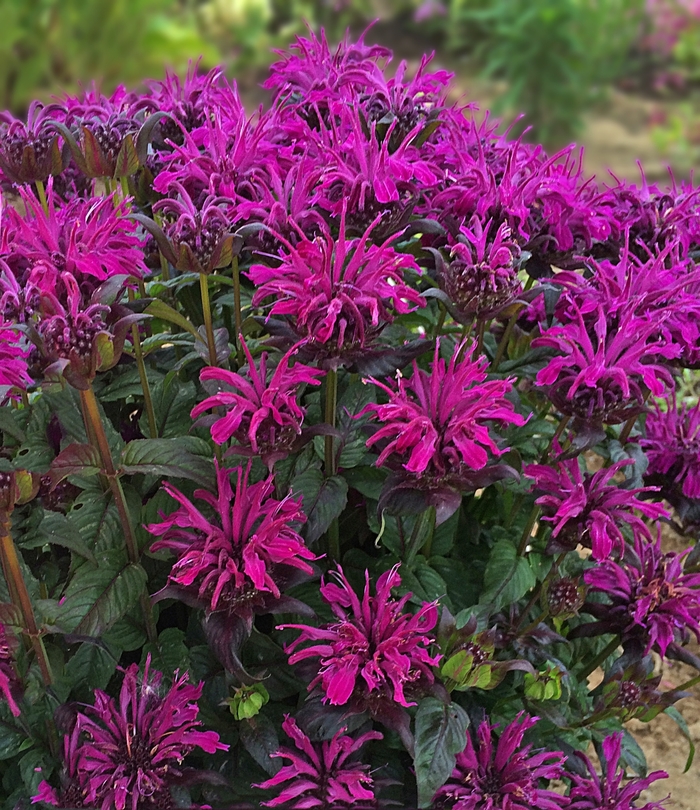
column 311, row 69
column 649, row 597
column 611, row 789
column 230, row 562
column 88, row 239
column 374, row 650
column 506, row 778
column 599, row 378
column 13, row 361
column 132, row 748
column 9, row 682
column 672, row 446
column 482, row 277
column 588, row 509
column 436, row 421
column 325, row 775
column 337, row 293
column 264, row 416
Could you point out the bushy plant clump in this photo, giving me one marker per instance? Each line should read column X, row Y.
column 337, row 442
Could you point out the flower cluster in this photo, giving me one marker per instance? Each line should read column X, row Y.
column 259, row 364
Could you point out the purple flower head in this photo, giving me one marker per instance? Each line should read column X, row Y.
column 77, row 340
column 374, row 650
column 89, row 239
column 230, row 562
column 13, row 361
column 482, row 277
column 588, row 508
column 188, row 101
column 672, row 446
column 649, row 597
column 366, row 179
column 313, row 73
column 31, row 151
column 337, row 293
column 599, row 373
column 198, row 234
column 263, row 415
column 436, row 422
column 324, row 775
column 506, row 778
column 134, row 746
column 611, row 789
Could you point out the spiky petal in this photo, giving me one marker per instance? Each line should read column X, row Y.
column 323, row 775
column 374, row 647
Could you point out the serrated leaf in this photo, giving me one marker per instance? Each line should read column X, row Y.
column 323, row 500
column 182, row 457
column 170, row 654
column 96, row 598
column 92, row 665
column 76, row 459
column 441, row 730
column 508, row 577
column 159, row 309
column 56, row 529
column 9, row 424
column 172, row 403
column 259, row 738
column 94, row 518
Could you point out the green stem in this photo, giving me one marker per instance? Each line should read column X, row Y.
column 605, row 653
column 527, row 533
column 147, row 398
column 425, row 522
column 441, row 320
column 164, row 268
column 627, row 429
column 480, row 329
column 42, row 196
column 561, row 427
column 208, row 325
column 18, row 588
column 538, row 590
column 92, row 412
column 331, row 406
column 503, row 343
column 238, row 318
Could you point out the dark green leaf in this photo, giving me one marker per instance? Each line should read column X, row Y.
column 56, row 529
column 97, row 597
column 92, row 665
column 441, row 730
column 323, row 500
column 10, row 425
column 95, row 519
column 508, row 577
column 259, row 738
column 172, row 403
column 183, row 457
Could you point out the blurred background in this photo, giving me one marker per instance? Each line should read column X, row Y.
column 620, row 76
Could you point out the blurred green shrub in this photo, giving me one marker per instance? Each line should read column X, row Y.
column 51, row 45
column 556, row 56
